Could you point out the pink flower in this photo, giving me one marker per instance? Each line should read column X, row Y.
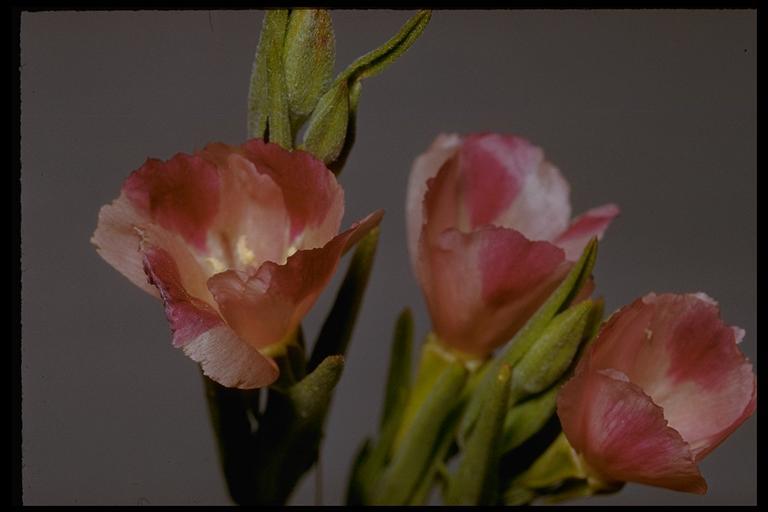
column 490, row 235
column 238, row 242
column 662, row 385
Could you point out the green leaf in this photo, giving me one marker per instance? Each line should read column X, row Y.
column 258, row 90
column 436, row 466
column 376, row 61
column 276, row 22
column 532, row 330
column 525, row 419
column 399, row 376
column 309, row 56
column 476, row 479
column 290, row 432
column 228, row 410
column 340, row 144
column 356, row 493
column 327, row 128
column 552, row 354
column 337, row 329
column 367, row 471
column 420, row 436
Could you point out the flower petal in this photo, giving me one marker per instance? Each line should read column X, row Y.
column 312, row 195
column 481, row 287
column 425, row 167
column 508, row 183
column 253, row 225
column 200, row 331
column 117, row 241
column 623, row 435
column 230, row 361
column 181, row 195
column 265, row 306
column 678, row 350
column 591, row 224
column 187, row 315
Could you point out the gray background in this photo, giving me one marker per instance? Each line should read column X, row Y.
column 655, row 110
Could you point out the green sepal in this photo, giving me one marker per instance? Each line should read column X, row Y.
column 337, row 328
column 258, row 90
column 328, row 135
column 309, row 54
column 558, row 474
column 327, row 126
column 279, row 125
column 523, row 420
column 476, row 479
column 552, row 354
column 532, row 331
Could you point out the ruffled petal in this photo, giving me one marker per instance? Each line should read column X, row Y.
column 229, row 361
column 117, row 241
column 481, row 287
column 622, row 433
column 678, row 350
column 181, row 195
column 312, row 195
column 253, row 225
column 508, row 183
column 591, row 224
column 425, row 167
column 200, row 331
column 188, row 316
column 265, row 306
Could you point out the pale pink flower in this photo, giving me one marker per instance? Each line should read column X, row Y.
column 238, row 242
column 490, row 235
column 663, row 384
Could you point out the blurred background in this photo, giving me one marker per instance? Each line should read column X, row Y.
column 653, row 110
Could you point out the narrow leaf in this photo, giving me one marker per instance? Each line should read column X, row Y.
column 376, row 61
column 290, row 432
column 366, row 66
column 228, row 409
column 475, row 481
column 356, row 487
column 399, row 376
column 337, row 329
column 412, row 456
column 437, row 460
column 368, row 471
